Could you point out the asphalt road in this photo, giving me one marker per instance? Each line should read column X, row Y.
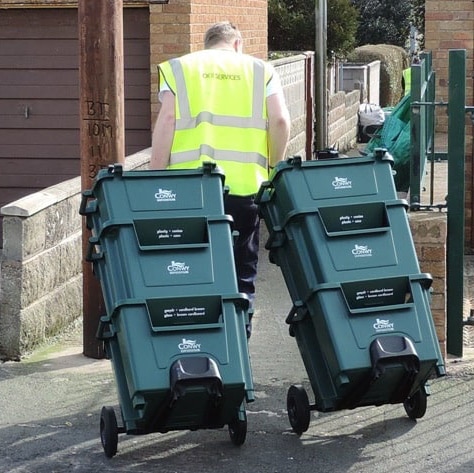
column 50, row 406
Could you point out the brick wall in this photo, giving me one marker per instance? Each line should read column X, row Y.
column 450, row 25
column 429, row 231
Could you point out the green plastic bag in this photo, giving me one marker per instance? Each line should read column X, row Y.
column 395, row 137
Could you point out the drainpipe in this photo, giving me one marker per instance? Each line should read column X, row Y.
column 321, row 105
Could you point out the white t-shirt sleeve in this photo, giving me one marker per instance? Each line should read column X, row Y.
column 274, row 85
column 163, row 88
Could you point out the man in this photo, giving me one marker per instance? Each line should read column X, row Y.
column 221, row 105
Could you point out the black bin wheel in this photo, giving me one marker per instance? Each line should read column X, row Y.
column 415, row 406
column 299, row 411
column 238, row 431
column 109, row 431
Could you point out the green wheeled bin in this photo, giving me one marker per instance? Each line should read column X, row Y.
column 174, row 326
column 360, row 305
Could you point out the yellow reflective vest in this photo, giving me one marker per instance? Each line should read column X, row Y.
column 407, row 80
column 221, row 115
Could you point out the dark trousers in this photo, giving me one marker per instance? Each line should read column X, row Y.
column 244, row 212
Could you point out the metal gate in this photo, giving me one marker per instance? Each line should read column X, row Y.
column 422, row 130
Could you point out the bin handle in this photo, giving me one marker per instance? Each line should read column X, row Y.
column 105, row 330
column 91, row 255
column 276, row 233
column 298, row 312
column 83, row 208
column 263, row 194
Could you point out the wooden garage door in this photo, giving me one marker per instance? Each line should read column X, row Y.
column 39, row 90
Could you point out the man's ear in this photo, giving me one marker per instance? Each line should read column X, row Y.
column 238, row 46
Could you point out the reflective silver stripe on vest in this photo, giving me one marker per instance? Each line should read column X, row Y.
column 219, row 155
column 181, row 92
column 221, row 120
column 186, row 121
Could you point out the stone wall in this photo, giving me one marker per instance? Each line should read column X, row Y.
column 41, row 265
column 292, row 72
column 343, row 119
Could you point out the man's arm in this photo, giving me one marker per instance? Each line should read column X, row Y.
column 163, row 133
column 279, row 124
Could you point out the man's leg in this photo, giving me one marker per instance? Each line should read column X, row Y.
column 244, row 212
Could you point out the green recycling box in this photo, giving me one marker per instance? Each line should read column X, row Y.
column 332, row 231
column 296, row 186
column 361, row 314
column 146, row 247
column 175, row 323
column 368, row 342
column 179, row 363
column 343, row 243
column 119, row 195
column 164, row 257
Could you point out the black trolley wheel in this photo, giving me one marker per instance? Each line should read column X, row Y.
column 109, row 431
column 415, row 405
column 238, row 431
column 298, row 408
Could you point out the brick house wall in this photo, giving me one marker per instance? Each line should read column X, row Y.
column 449, row 24
column 178, row 28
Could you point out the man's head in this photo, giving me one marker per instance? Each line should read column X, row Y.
column 223, row 34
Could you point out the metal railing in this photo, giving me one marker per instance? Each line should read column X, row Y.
column 422, row 134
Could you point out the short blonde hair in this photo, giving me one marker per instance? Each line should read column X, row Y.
column 223, row 31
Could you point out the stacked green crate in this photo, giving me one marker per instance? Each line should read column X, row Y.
column 342, row 240
column 175, row 321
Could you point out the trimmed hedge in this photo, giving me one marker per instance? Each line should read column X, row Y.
column 393, row 59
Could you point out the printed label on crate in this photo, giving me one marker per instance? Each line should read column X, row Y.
column 171, row 231
column 372, row 294
column 346, row 218
column 180, row 311
column 351, row 219
column 169, row 234
column 377, row 293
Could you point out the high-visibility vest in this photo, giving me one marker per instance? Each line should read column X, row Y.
column 221, row 115
column 407, row 80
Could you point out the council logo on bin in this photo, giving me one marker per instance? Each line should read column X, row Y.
column 382, row 325
column 176, row 267
column 165, row 195
column 341, row 183
column 361, row 251
column 189, row 346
